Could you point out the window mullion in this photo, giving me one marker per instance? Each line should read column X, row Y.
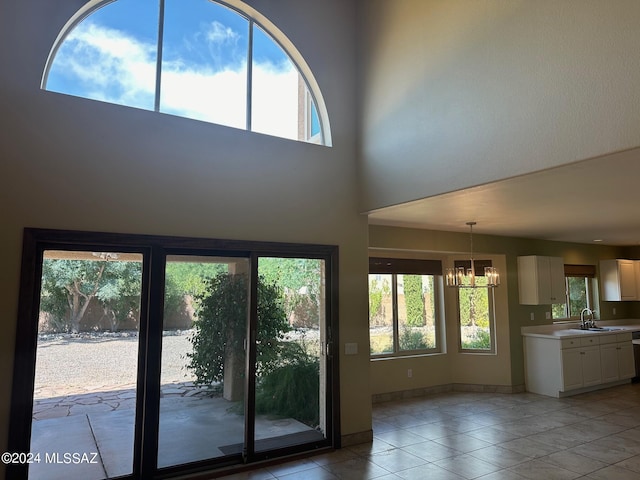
column 249, row 75
column 567, row 297
column 438, row 312
column 394, row 302
column 156, row 104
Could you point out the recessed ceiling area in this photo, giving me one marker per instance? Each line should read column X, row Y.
column 591, row 200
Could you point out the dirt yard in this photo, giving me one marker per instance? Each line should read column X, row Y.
column 88, row 362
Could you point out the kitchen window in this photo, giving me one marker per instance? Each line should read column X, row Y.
column 578, row 292
column 404, row 297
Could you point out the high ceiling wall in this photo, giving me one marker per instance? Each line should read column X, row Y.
column 457, row 93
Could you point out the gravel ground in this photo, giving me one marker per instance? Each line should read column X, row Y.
column 88, row 362
column 85, row 362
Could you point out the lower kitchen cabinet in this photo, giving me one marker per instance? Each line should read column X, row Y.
column 616, row 358
column 581, row 367
column 626, row 360
column 571, row 369
column 560, row 367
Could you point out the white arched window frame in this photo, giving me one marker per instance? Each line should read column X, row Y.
column 312, row 102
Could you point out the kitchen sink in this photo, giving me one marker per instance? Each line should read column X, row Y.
column 599, row 329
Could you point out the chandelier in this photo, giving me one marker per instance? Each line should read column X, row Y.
column 462, row 277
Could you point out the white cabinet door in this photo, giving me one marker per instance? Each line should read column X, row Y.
column 626, row 362
column 557, row 290
column 591, row 366
column 571, row 368
column 618, row 279
column 617, row 362
column 581, row 367
column 627, row 280
column 609, row 362
column 541, row 280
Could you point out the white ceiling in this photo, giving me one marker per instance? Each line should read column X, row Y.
column 596, row 199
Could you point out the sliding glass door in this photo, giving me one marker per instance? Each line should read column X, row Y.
column 84, row 398
column 290, row 372
column 202, row 395
column 144, row 357
column 236, row 385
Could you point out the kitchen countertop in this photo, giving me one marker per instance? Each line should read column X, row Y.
column 569, row 330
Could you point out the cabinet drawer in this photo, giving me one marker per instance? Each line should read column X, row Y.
column 608, row 339
column 569, row 343
column 590, row 340
column 623, row 337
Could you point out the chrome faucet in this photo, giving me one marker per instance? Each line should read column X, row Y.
column 585, row 324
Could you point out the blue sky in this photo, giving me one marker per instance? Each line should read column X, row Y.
column 111, row 56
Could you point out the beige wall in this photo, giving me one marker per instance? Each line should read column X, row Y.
column 171, row 176
column 507, row 367
column 449, row 366
column 458, row 93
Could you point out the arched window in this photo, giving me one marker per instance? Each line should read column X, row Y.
column 198, row 59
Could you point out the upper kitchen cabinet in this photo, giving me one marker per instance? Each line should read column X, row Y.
column 541, row 280
column 618, row 280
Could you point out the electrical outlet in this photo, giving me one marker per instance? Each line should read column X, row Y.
column 409, row 373
column 614, row 310
column 533, row 317
column 548, row 315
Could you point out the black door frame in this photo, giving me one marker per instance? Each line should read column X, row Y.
column 154, row 250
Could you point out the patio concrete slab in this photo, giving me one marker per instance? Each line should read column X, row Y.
column 192, row 428
column 193, row 433
column 114, row 434
column 57, row 440
column 206, row 429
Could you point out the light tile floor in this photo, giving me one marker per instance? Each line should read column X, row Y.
column 490, row 437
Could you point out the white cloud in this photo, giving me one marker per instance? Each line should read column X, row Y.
column 275, row 101
column 217, row 97
column 109, row 65
column 219, row 34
